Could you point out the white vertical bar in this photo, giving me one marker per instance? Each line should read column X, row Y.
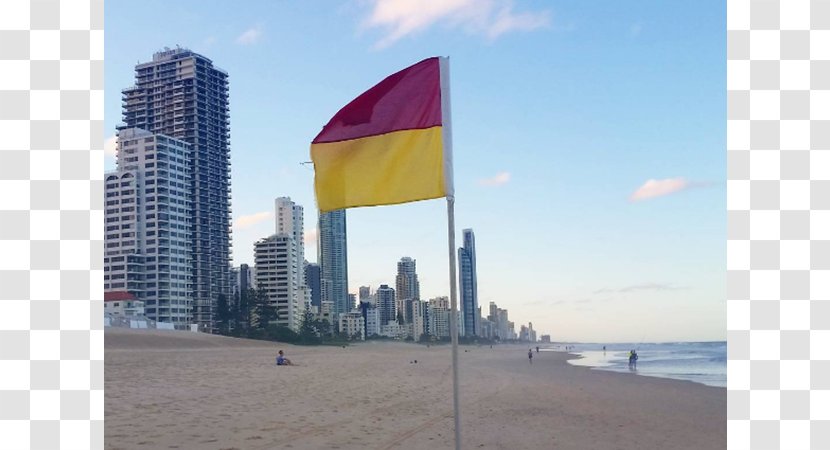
column 446, row 124
column 446, row 130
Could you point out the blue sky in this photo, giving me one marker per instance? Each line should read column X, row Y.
column 588, row 142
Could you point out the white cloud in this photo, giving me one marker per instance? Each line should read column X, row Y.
column 641, row 287
column 110, row 146
column 500, row 179
column 659, row 188
column 490, row 18
column 250, row 36
column 250, row 220
column 507, row 21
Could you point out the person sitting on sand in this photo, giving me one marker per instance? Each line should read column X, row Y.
column 282, row 360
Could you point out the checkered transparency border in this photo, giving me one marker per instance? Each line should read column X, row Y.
column 778, row 206
column 51, row 224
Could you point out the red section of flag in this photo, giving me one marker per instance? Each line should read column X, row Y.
column 407, row 100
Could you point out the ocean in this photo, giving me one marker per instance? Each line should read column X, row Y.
column 701, row 362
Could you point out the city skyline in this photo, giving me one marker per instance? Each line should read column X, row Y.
column 592, row 174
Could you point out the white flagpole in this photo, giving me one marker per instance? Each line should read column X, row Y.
column 448, row 180
column 454, row 321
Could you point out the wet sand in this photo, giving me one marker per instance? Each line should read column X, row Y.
column 167, row 389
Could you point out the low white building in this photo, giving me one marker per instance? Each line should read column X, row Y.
column 351, row 324
column 396, row 330
column 122, row 304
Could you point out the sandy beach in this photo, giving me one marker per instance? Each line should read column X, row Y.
column 167, row 389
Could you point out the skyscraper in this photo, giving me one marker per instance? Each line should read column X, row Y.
column 407, row 288
column 468, row 284
column 365, row 294
column 245, row 280
column 182, row 95
column 334, row 271
column 289, row 221
column 312, row 279
column 147, row 219
column 385, row 304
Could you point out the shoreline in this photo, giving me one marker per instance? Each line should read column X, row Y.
column 168, row 391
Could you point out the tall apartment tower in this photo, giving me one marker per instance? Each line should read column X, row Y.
column 276, row 275
column 364, row 294
column 245, row 280
column 182, row 95
column 289, row 221
column 385, row 304
column 407, row 288
column 312, row 279
column 332, row 257
column 468, row 284
column 147, row 219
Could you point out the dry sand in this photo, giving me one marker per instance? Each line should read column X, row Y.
column 167, row 389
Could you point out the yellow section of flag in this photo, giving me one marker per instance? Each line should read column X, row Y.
column 391, row 168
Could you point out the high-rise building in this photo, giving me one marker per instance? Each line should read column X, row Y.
column 276, row 275
column 312, row 279
column 439, row 317
column 289, row 221
column 245, row 281
column 407, row 288
column 385, row 301
column 420, row 319
column 332, row 257
column 182, row 95
column 372, row 321
column 523, row 336
column 503, row 326
column 147, row 219
column 468, row 284
column 365, row 294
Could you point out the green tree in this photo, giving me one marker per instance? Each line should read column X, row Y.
column 400, row 318
column 262, row 312
column 309, row 334
column 223, row 314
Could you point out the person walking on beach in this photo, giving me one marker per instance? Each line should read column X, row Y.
column 537, row 349
column 530, row 356
column 632, row 359
column 282, row 360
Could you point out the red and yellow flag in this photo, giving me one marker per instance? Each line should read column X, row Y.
column 387, row 145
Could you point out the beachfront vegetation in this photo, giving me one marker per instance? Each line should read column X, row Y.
column 250, row 315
